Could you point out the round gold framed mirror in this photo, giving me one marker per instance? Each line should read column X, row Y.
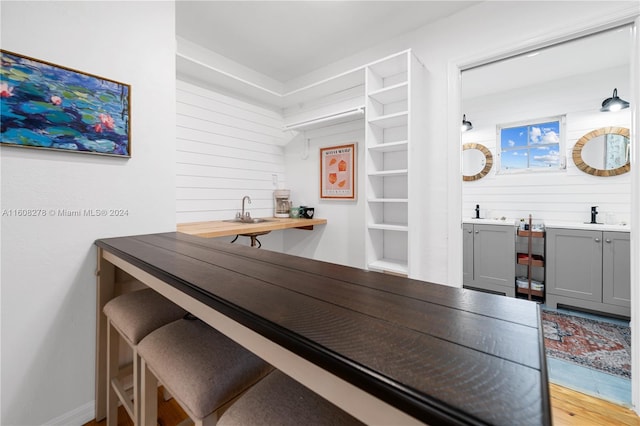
column 476, row 161
column 603, row 152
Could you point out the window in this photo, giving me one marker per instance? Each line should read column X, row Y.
column 531, row 146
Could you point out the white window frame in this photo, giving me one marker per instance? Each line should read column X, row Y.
column 562, row 163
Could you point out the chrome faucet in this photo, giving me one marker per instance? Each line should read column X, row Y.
column 246, row 197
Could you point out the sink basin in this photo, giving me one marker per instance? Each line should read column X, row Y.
column 249, row 220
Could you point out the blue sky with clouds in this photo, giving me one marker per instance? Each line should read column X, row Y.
column 530, row 146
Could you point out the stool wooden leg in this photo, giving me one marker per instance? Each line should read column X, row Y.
column 148, row 396
column 166, row 395
column 113, row 339
column 137, row 391
column 211, row 420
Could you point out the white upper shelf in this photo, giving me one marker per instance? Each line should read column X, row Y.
column 331, row 119
column 190, row 65
column 391, row 120
column 390, row 146
column 391, row 94
column 391, row 65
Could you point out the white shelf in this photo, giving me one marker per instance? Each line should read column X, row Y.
column 391, row 65
column 390, row 265
column 391, row 120
column 391, row 94
column 389, row 227
column 338, row 117
column 388, row 132
column 388, row 200
column 338, row 83
column 387, row 173
column 196, row 65
column 390, row 146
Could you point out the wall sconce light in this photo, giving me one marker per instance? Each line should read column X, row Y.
column 466, row 125
column 614, row 103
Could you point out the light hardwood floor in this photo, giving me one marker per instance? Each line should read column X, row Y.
column 574, row 408
column 568, row 408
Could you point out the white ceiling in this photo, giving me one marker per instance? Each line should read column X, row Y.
column 584, row 55
column 287, row 39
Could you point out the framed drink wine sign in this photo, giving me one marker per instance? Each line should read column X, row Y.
column 338, row 172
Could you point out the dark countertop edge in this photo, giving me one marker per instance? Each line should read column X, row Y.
column 423, row 407
column 546, row 400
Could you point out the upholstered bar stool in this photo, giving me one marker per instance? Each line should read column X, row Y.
column 132, row 316
column 279, row 400
column 204, row 370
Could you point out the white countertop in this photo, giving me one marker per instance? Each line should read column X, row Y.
column 554, row 224
column 510, row 222
column 594, row 227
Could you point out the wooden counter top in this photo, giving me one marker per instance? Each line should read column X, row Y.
column 386, row 349
column 220, row 228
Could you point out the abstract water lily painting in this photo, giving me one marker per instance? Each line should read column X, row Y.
column 49, row 106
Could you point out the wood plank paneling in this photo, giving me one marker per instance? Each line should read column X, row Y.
column 225, row 149
column 565, row 195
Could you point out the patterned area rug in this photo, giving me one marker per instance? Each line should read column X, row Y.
column 588, row 343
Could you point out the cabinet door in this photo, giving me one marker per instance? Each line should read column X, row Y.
column 574, row 263
column 616, row 269
column 494, row 256
column 467, row 254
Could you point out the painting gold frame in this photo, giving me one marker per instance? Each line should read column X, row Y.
column 53, row 107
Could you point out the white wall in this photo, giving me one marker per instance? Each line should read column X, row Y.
column 342, row 239
column 565, row 195
column 48, row 263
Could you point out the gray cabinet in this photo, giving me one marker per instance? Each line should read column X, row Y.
column 488, row 258
column 616, row 269
column 589, row 269
column 467, row 253
column 574, row 263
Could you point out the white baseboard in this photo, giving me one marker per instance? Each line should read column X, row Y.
column 75, row 417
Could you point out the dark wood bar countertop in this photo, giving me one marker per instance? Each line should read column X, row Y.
column 438, row 354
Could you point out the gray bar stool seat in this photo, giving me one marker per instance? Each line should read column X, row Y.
column 204, row 370
column 280, row 400
column 132, row 316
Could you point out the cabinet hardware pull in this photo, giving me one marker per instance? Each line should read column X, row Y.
column 469, row 231
column 477, row 232
column 597, row 240
column 608, row 240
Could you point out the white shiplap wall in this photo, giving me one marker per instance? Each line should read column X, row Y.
column 553, row 196
column 342, row 239
column 225, row 149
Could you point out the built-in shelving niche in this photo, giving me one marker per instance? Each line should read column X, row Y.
column 388, row 169
column 381, row 92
